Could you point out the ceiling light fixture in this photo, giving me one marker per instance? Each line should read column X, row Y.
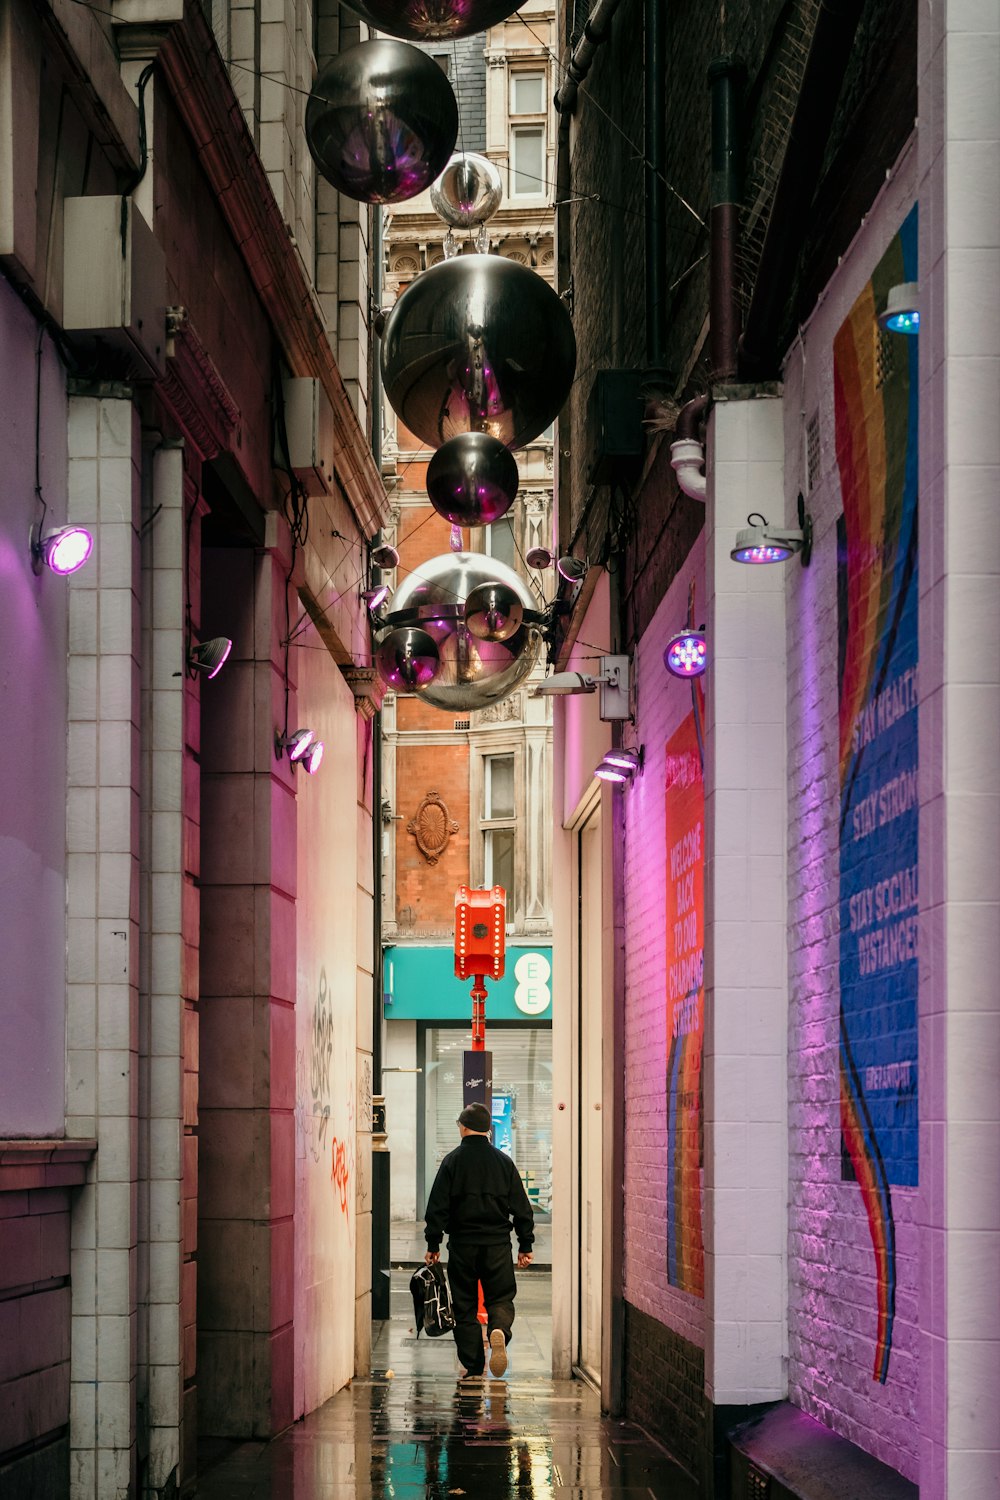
column 210, row 656
column 761, row 543
column 686, row 654
column 64, row 549
column 620, row 766
column 901, row 313
column 539, row 557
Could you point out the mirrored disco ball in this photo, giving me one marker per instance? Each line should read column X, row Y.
column 468, row 192
column 407, row 658
column 381, row 122
column 472, row 479
column 427, row 20
column 472, row 673
column 478, row 344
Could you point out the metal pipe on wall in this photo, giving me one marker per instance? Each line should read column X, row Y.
column 724, row 76
column 655, row 135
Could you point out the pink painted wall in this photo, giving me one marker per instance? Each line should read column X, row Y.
column 33, row 698
column 832, row 1295
column 663, row 703
column 326, row 1104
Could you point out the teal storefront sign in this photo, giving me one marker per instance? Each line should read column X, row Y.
column 420, row 985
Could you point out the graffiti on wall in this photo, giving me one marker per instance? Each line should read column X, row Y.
column 320, row 1056
column 342, row 1162
column 875, row 398
column 685, row 813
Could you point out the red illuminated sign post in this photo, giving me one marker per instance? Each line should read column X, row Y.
column 480, row 944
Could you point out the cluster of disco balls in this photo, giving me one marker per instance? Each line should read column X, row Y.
column 478, row 354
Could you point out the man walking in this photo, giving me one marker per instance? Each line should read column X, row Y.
column 477, row 1193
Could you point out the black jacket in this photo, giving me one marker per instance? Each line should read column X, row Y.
column 476, row 1193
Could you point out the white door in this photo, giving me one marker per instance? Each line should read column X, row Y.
column 590, row 1123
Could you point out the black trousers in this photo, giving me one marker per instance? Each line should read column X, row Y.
column 493, row 1266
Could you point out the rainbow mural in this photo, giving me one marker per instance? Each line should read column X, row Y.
column 875, row 401
column 685, row 904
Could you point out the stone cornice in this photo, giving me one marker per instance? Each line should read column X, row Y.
column 193, row 67
column 31, row 1165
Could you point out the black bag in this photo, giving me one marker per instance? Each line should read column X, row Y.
column 432, row 1301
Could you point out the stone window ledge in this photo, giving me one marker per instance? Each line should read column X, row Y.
column 27, row 1165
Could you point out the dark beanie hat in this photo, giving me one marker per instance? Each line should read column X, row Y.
column 476, row 1117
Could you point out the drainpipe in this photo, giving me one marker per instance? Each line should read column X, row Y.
column 596, row 31
column 655, row 131
column 687, row 453
column 832, row 43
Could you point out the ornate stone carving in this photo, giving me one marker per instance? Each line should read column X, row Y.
column 432, row 827
column 506, row 711
column 367, row 687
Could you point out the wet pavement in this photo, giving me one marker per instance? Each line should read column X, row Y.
column 424, row 1434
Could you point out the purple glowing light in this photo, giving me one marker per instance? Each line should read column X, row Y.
column 686, row 654
column 313, row 757
column 299, row 743
column 66, row 549
column 766, row 554
column 375, row 598
column 607, row 772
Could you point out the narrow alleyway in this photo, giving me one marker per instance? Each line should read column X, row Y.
column 423, row 1432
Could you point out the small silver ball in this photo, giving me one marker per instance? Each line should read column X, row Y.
column 468, row 192
column 381, row 122
column 493, row 612
column 407, row 659
column 472, row 479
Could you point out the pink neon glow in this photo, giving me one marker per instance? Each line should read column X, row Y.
column 67, row 549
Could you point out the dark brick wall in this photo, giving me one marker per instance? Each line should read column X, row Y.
column 665, row 1387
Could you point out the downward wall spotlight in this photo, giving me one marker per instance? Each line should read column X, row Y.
column 295, row 744
column 686, row 654
column 64, row 550
column 375, row 598
column 210, row 656
column 901, row 313
column 759, row 542
column 620, row 766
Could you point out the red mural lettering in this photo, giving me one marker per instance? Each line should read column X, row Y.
column 340, row 1175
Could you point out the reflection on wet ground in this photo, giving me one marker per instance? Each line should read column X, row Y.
column 426, row 1435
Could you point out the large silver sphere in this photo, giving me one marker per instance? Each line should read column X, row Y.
column 427, row 20
column 471, row 673
column 407, row 658
column 468, row 192
column 381, row 121
column 478, row 343
column 472, row 479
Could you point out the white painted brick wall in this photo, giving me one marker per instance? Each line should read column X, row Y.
column 662, row 704
column 832, row 1291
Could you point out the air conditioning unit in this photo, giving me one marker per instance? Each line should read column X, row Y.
column 309, row 425
column 615, row 422
column 115, row 281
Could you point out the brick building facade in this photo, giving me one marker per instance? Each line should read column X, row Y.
column 799, row 1228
